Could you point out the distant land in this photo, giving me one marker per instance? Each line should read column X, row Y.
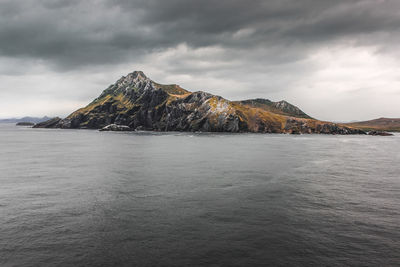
column 25, row 119
column 25, row 123
column 381, row 124
column 135, row 102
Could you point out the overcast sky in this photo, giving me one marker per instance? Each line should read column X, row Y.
column 337, row 60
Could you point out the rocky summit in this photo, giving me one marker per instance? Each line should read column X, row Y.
column 138, row 103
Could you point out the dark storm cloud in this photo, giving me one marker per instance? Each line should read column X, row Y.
column 71, row 34
column 57, row 55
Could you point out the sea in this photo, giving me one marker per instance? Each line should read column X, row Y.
column 90, row 198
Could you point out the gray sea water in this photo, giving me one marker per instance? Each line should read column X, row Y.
column 89, row 198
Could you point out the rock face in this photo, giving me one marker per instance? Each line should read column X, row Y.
column 140, row 103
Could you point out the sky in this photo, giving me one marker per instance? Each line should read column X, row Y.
column 336, row 60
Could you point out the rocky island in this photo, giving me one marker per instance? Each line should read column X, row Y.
column 135, row 102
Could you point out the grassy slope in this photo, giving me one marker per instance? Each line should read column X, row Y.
column 268, row 105
column 172, row 89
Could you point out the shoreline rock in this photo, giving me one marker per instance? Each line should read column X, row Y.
column 379, row 133
column 116, row 128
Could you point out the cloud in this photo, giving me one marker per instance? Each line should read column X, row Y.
column 279, row 49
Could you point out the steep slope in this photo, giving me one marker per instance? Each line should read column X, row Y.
column 381, row 124
column 138, row 102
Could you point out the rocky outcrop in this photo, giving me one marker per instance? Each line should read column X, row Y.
column 379, row 133
column 116, row 128
column 136, row 102
column 313, row 126
column 52, row 123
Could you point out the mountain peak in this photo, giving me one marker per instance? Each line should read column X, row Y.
column 134, row 79
column 138, row 74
